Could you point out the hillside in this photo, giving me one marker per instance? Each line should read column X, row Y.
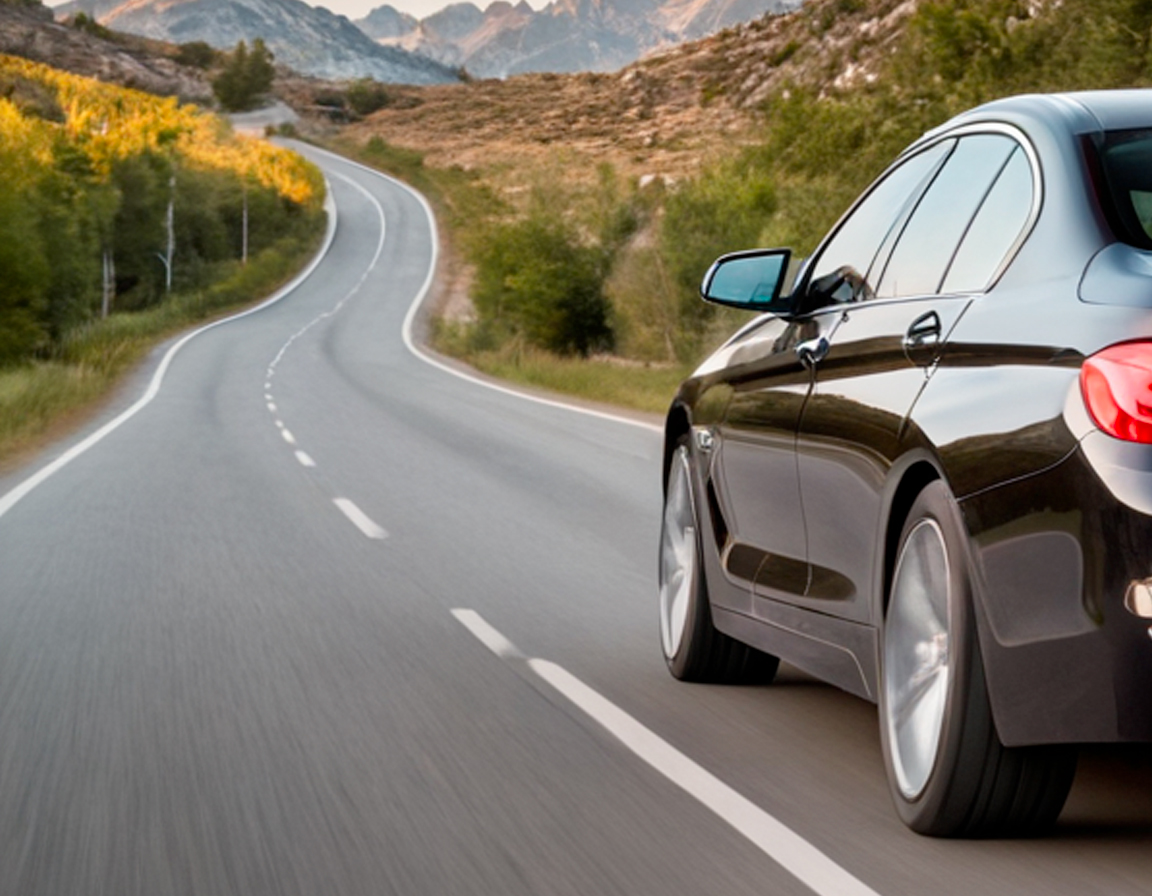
column 28, row 30
column 564, row 36
column 664, row 114
column 308, row 39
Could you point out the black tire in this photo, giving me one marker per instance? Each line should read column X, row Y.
column 693, row 648
column 963, row 782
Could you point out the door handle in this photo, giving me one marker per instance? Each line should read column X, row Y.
column 813, row 351
column 925, row 330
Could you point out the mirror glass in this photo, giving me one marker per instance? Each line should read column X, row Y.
column 747, row 280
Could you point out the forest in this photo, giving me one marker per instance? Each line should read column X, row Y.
column 114, row 201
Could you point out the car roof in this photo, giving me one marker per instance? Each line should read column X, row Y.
column 1081, row 112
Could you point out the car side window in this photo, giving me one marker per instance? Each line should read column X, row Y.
column 842, row 272
column 995, row 228
column 932, row 234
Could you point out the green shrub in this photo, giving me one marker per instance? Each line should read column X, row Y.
column 366, row 96
column 536, row 279
column 198, row 54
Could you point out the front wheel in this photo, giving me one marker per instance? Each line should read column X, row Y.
column 948, row 772
column 693, row 648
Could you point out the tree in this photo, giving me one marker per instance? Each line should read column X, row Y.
column 535, row 278
column 246, row 77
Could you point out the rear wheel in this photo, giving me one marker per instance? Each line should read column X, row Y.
column 948, row 772
column 693, row 648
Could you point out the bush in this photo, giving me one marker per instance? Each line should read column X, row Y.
column 198, row 54
column 366, row 96
column 534, row 278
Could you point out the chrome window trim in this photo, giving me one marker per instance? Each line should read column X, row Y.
column 983, row 127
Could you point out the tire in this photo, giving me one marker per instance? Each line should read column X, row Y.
column 693, row 648
column 948, row 773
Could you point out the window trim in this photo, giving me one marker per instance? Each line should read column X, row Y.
column 982, row 127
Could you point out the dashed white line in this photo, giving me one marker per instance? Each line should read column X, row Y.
column 305, row 460
column 9, row 500
column 491, row 638
column 279, row 424
column 360, row 519
column 272, row 407
column 288, row 437
column 775, row 839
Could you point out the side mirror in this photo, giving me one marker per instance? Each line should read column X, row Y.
column 750, row 280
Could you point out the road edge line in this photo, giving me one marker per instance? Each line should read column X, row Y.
column 21, row 490
column 804, row 861
column 414, row 308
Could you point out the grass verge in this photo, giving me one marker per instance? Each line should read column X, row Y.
column 40, row 400
column 634, row 385
column 460, row 200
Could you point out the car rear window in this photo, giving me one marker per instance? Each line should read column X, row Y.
column 1126, row 160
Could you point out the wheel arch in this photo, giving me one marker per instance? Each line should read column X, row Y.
column 918, row 471
column 677, row 425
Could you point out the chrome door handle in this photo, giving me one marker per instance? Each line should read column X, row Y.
column 813, row 351
column 925, row 330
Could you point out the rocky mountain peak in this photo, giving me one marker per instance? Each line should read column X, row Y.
column 570, row 35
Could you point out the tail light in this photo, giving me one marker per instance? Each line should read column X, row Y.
column 1117, row 387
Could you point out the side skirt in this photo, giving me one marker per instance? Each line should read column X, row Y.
column 842, row 653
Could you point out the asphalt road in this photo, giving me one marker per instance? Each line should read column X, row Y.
column 216, row 679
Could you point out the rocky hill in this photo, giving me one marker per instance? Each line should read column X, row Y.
column 309, row 39
column 663, row 115
column 30, row 31
column 564, row 36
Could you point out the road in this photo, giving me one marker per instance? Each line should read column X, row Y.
column 311, row 621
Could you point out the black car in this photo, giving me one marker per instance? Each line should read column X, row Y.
column 924, row 474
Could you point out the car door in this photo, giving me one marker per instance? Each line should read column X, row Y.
column 883, row 350
column 771, row 374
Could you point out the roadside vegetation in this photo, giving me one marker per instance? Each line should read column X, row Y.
column 125, row 217
column 573, row 266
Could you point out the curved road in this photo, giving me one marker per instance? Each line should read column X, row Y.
column 323, row 618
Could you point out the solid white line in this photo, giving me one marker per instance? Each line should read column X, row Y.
column 288, row 437
column 779, row 842
column 359, row 518
column 305, row 460
column 413, row 309
column 488, row 636
column 9, row 500
column 783, row 845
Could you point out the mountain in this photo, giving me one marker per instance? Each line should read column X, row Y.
column 309, row 39
column 566, row 35
column 384, row 22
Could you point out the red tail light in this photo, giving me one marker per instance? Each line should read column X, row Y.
column 1117, row 387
